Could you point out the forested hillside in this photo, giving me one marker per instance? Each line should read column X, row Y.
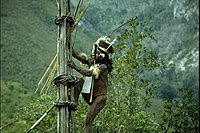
column 176, row 30
column 28, row 40
column 159, row 58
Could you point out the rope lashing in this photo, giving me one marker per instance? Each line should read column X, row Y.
column 60, row 20
column 66, row 80
column 70, row 105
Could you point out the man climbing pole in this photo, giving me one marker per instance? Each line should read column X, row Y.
column 94, row 86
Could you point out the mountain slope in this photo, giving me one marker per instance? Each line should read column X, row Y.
column 28, row 39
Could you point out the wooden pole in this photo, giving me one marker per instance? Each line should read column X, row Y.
column 70, row 91
column 63, row 41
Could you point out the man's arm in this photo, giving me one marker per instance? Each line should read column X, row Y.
column 82, row 71
column 81, row 57
column 95, row 71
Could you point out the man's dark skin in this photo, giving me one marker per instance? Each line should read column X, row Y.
column 99, row 89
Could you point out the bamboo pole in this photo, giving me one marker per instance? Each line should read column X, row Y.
column 69, row 91
column 51, row 77
column 61, row 51
column 52, row 62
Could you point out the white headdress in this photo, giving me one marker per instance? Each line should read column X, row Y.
column 104, row 44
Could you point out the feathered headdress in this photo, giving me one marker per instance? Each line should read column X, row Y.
column 105, row 45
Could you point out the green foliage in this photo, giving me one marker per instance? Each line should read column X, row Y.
column 125, row 122
column 14, row 97
column 29, row 114
column 80, row 115
column 134, row 59
column 145, row 122
column 35, row 111
column 182, row 115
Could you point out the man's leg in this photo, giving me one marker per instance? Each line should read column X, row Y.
column 96, row 107
column 77, row 90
